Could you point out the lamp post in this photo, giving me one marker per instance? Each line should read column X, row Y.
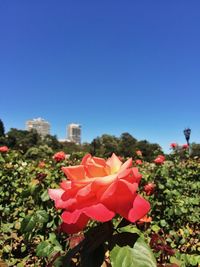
column 187, row 133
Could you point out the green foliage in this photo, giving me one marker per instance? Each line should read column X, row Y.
column 30, row 224
column 139, row 255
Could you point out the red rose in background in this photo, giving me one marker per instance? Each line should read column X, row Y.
column 98, row 189
column 173, row 145
column 185, row 146
column 138, row 153
column 149, row 188
column 138, row 161
column 4, row 149
column 160, row 159
column 59, row 156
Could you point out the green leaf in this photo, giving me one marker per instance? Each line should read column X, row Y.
column 45, row 196
column 130, row 229
column 42, row 216
column 155, row 228
column 140, row 255
column 163, row 223
column 28, row 223
column 174, row 260
column 44, row 249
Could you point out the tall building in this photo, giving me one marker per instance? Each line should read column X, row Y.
column 40, row 125
column 74, row 133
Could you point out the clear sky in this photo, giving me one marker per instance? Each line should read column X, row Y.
column 112, row 66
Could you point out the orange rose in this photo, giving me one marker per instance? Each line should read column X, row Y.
column 98, row 189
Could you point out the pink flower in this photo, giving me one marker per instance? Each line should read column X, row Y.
column 98, row 189
column 138, row 153
column 4, row 149
column 149, row 188
column 59, row 156
column 173, row 145
column 138, row 161
column 160, row 159
column 185, row 146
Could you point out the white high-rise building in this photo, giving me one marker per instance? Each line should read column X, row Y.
column 74, row 133
column 40, row 125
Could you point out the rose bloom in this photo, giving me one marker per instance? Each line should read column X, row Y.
column 41, row 164
column 185, row 146
column 160, row 159
column 145, row 219
column 4, row 149
column 138, row 153
column 98, row 189
column 149, row 188
column 138, row 161
column 173, row 145
column 59, row 156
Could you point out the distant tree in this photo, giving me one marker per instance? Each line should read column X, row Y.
column 70, row 147
column 96, row 147
column 2, row 129
column 22, row 140
column 51, row 141
column 85, row 147
column 127, row 145
column 105, row 145
column 195, row 150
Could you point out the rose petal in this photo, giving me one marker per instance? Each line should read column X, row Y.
column 85, row 159
column 140, row 209
column 65, row 184
column 74, row 172
column 113, row 164
column 96, row 170
column 56, row 194
column 100, row 161
column 75, row 227
column 126, row 165
column 96, row 212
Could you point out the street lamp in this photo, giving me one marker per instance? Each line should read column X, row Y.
column 187, row 133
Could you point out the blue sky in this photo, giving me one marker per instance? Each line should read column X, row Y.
column 112, row 66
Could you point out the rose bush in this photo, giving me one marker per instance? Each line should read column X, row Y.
column 98, row 189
